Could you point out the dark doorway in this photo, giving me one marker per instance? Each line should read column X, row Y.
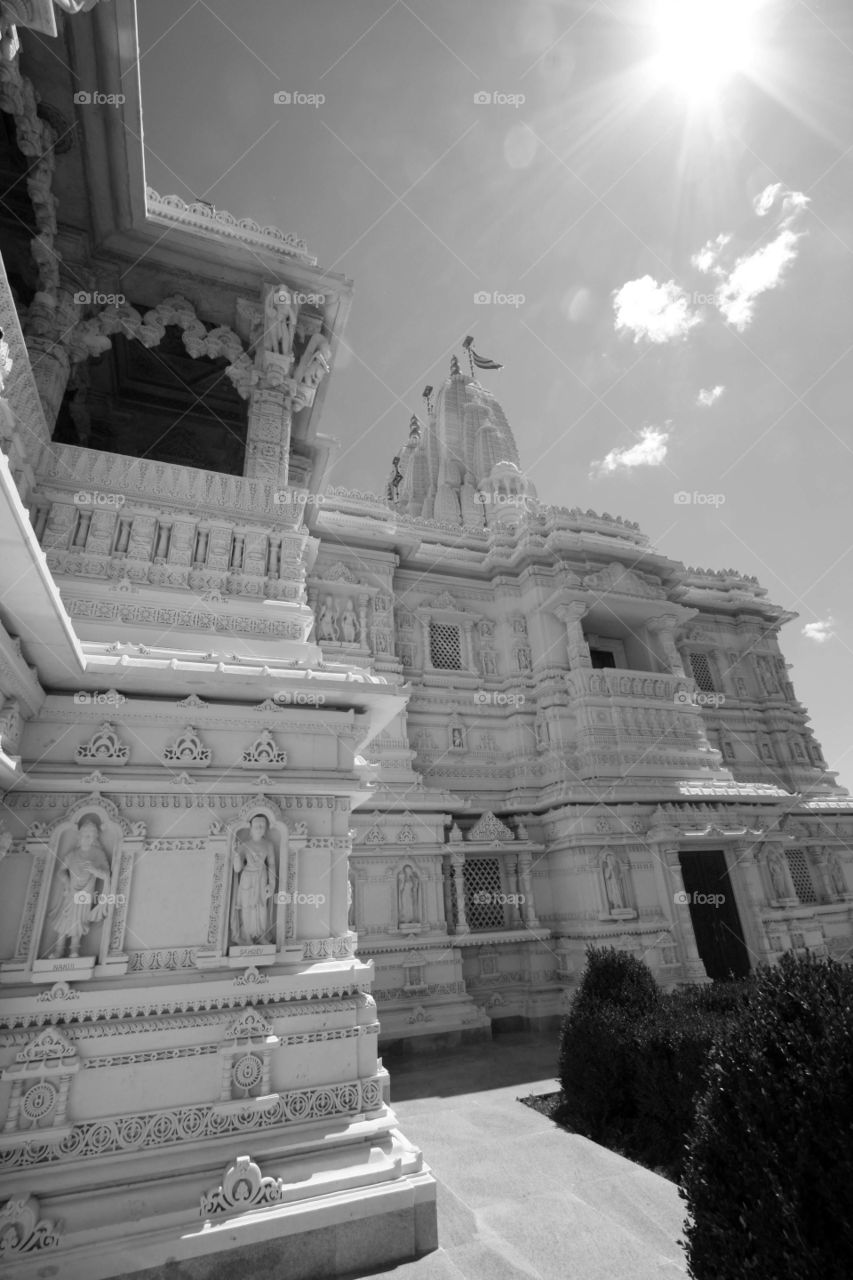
column 602, row 658
column 714, row 913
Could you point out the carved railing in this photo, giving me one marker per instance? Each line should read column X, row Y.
column 640, row 724
column 613, row 683
column 133, row 522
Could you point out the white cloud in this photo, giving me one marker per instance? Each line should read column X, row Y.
column 659, row 312
column 742, row 281
column 753, row 275
column 707, row 258
column 820, row 631
column 649, row 451
column 709, row 395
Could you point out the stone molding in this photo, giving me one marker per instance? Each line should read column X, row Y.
column 200, row 216
column 172, row 1125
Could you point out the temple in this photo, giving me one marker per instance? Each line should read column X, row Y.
column 293, row 773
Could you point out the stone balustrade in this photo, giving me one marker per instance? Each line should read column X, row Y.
column 135, row 522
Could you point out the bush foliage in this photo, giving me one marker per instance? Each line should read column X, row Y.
column 769, row 1170
column 632, row 1058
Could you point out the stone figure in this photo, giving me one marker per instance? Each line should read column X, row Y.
column 778, row 874
column 349, row 624
column 254, row 864
column 350, row 903
column 316, row 362
column 836, row 874
column 327, row 623
column 280, row 316
column 457, row 741
column 408, row 896
column 83, row 866
column 614, row 887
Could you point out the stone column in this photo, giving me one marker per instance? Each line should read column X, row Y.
column 339, row 889
column 362, row 621
column 664, row 628
column 457, row 864
column 678, row 908
column 570, row 615
column 268, row 436
column 514, row 891
column 525, row 879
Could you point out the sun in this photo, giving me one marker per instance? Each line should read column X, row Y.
column 703, row 44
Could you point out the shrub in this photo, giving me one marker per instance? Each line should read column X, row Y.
column 672, row 1046
column 597, row 1045
column 769, row 1166
column 617, row 978
column 632, row 1060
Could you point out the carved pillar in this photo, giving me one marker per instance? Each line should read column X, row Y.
column 362, row 621
column 457, row 865
column 447, row 891
column 268, row 436
column 525, row 880
column 514, row 891
column 468, row 645
column 677, row 906
column 339, row 887
column 47, row 333
column 664, row 628
column 570, row 615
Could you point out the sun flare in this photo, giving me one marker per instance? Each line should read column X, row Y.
column 702, row 44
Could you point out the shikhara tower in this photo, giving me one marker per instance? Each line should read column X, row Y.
column 269, row 763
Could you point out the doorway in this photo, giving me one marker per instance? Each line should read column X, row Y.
column 714, row 914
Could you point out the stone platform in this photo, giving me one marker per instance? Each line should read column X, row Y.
column 517, row 1196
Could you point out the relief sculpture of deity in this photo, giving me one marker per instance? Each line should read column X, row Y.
column 254, row 864
column 83, row 866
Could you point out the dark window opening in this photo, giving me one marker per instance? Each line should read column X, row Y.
column 602, row 658
column 156, row 403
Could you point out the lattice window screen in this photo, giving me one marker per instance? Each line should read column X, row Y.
column 701, row 669
column 483, row 893
column 801, row 875
column 445, row 646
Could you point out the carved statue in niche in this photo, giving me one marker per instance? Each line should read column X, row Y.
column 457, row 740
column 778, row 874
column 327, row 623
column 614, row 886
column 254, row 864
column 280, row 316
column 83, row 866
column 351, row 902
column 408, row 896
column 836, row 874
column 349, row 624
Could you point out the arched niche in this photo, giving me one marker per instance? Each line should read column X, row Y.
column 74, row 913
column 253, row 910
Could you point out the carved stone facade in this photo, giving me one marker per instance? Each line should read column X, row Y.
column 281, row 776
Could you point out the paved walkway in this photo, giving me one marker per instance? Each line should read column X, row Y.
column 517, row 1196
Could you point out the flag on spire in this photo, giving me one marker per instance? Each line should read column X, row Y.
column 481, row 362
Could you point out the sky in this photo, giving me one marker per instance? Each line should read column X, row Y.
column 642, row 208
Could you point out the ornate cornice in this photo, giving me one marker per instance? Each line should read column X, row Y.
column 203, row 217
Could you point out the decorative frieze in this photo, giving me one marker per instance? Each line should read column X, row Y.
column 174, row 1125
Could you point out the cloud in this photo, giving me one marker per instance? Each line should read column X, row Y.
column 649, row 451
column 741, row 282
column 709, row 395
column 658, row 312
column 820, row 631
column 708, row 256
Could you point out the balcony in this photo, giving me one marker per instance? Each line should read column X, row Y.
column 639, row 724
